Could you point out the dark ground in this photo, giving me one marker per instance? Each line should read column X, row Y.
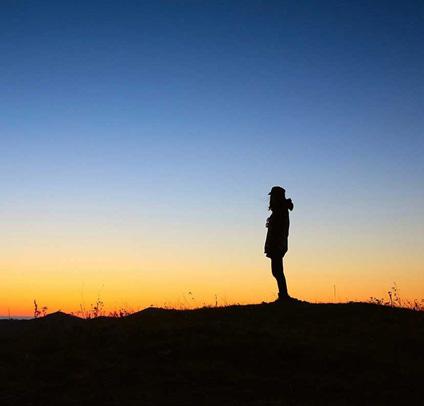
column 298, row 354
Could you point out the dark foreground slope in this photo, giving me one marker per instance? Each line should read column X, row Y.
column 300, row 354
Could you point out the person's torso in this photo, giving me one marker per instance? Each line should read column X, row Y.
column 279, row 222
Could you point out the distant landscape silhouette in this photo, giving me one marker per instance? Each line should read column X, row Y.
column 276, row 243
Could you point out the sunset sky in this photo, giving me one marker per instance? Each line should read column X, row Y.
column 139, row 141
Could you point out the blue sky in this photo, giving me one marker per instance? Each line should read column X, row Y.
column 187, row 112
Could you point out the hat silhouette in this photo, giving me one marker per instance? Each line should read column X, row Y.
column 277, row 190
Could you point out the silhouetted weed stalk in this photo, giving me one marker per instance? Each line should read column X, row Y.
column 97, row 309
column 189, row 302
column 39, row 312
column 394, row 300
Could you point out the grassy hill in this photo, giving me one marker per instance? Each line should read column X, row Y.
column 297, row 354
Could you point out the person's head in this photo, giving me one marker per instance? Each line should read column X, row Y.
column 277, row 198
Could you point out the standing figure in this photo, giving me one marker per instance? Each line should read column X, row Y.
column 276, row 243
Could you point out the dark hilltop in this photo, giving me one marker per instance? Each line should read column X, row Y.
column 291, row 354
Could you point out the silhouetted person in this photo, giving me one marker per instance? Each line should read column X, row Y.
column 276, row 243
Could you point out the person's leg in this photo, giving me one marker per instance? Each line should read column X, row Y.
column 278, row 273
column 283, row 284
column 283, row 289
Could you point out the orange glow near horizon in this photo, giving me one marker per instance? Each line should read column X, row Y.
column 133, row 275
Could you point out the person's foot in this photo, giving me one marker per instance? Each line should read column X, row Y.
column 288, row 299
column 283, row 297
